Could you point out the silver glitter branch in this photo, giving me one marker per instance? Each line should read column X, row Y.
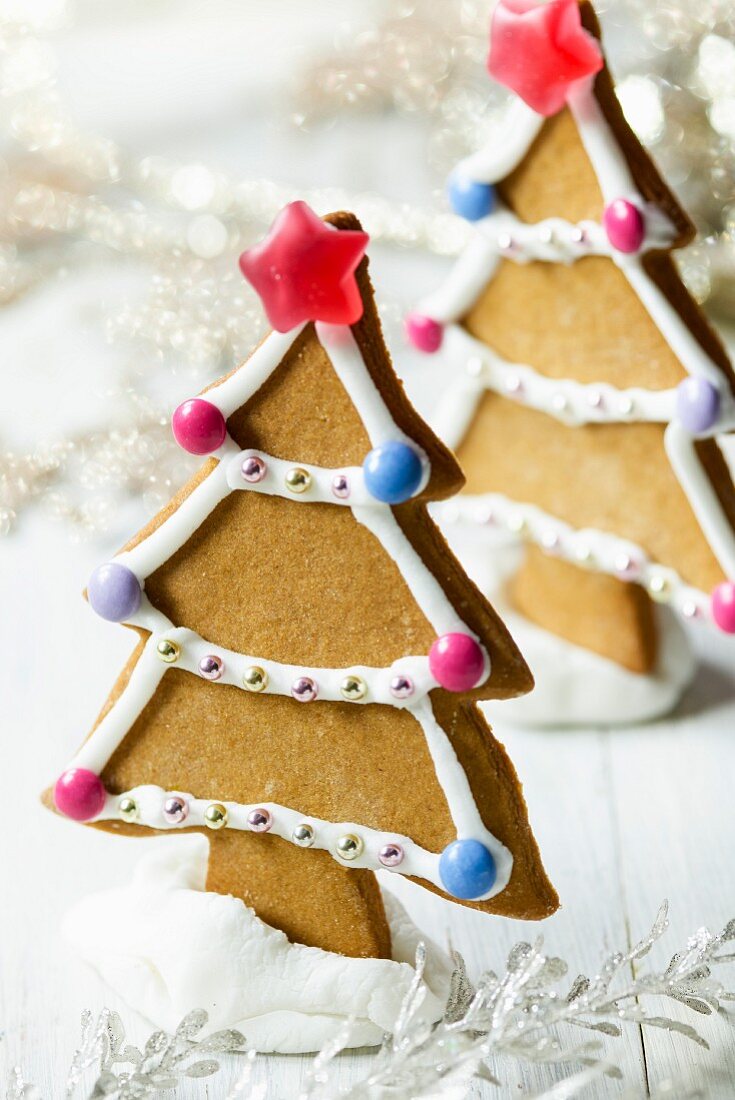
column 125, row 1072
column 525, row 1014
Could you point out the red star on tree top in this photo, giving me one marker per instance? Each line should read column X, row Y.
column 540, row 51
column 304, row 270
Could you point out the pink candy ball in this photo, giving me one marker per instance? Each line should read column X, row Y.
column 723, row 606
column 199, row 427
column 624, row 225
column 79, row 794
column 457, row 662
column 423, row 333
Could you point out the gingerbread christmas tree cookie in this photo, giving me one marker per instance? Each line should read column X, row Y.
column 310, row 658
column 587, row 388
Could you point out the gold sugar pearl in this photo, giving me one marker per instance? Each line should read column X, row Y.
column 255, row 678
column 168, row 651
column 349, row 846
column 215, row 816
column 353, row 688
column 298, row 479
column 303, row 835
column 658, row 588
column 127, row 808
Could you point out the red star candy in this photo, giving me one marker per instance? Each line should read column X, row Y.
column 304, row 270
column 540, row 51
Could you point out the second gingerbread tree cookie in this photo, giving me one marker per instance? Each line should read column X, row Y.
column 587, row 387
column 310, row 653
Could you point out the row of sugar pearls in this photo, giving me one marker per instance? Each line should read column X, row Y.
column 254, row 468
column 304, row 689
column 467, row 867
column 661, row 587
column 260, row 820
column 575, row 546
column 349, row 846
column 456, row 661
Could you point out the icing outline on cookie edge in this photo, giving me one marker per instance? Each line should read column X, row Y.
column 499, row 235
column 405, row 684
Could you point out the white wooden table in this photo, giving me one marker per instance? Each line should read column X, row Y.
column 624, row 818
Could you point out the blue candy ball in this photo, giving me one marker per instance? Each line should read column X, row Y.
column 469, row 199
column 467, row 869
column 114, row 592
column 393, row 472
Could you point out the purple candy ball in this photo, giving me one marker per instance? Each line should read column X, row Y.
column 114, row 592
column 697, row 404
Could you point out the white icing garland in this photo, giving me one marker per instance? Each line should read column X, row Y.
column 501, row 236
column 186, row 650
column 584, row 546
column 556, row 240
column 565, row 399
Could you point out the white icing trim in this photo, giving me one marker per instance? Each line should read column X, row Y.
column 176, row 529
column 605, row 154
column 565, row 399
column 152, row 551
column 427, row 591
column 556, row 240
column 587, row 547
column 680, row 447
column 232, row 393
column 504, row 152
column 479, row 368
column 346, row 359
column 465, row 282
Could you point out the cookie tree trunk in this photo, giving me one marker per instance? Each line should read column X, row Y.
column 592, row 610
column 316, row 902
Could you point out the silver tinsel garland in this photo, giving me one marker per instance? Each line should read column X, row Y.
column 527, row 1013
column 69, row 198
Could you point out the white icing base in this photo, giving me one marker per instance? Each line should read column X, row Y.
column 167, row 946
column 574, row 687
